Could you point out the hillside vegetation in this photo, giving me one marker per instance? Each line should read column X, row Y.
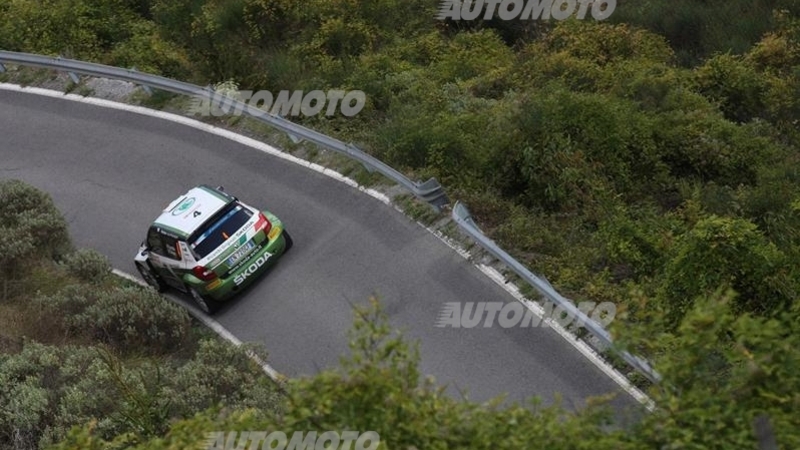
column 79, row 345
column 650, row 160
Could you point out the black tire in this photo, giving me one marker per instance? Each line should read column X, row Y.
column 206, row 304
column 151, row 278
column 289, row 241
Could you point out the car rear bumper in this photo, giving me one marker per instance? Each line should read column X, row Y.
column 252, row 269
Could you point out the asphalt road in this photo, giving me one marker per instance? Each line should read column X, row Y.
column 111, row 172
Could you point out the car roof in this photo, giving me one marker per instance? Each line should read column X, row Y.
column 186, row 213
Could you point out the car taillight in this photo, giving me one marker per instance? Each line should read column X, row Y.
column 263, row 223
column 203, row 273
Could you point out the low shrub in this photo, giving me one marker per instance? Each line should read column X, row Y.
column 88, row 265
column 130, row 319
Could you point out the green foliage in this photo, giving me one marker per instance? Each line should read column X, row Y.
column 75, row 28
column 698, row 145
column 636, row 246
column 738, row 88
column 131, row 319
column 220, row 373
column 708, row 399
column 88, row 265
column 379, row 388
column 148, row 52
column 602, row 43
column 574, row 149
column 584, row 147
column 698, row 29
column 30, row 226
column 724, row 252
column 48, row 390
column 721, row 371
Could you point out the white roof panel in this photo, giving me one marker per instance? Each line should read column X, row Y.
column 190, row 210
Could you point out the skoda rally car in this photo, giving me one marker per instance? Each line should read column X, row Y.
column 209, row 244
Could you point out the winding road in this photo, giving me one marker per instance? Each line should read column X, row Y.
column 111, row 172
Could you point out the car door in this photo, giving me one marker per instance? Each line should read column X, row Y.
column 165, row 257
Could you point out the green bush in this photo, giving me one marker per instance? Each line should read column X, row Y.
column 30, row 226
column 148, row 52
column 220, row 373
column 699, row 29
column 47, row 390
column 134, row 319
column 574, row 151
column 131, row 319
column 32, row 381
column 721, row 252
column 88, row 265
column 737, row 87
column 698, row 144
column 602, row 43
column 83, row 29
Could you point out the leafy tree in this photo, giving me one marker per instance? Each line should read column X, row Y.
column 738, row 88
column 727, row 252
column 721, row 370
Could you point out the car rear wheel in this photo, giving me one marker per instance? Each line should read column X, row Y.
column 151, row 278
column 289, row 241
column 205, row 304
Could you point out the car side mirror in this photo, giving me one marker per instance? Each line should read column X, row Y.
column 220, row 188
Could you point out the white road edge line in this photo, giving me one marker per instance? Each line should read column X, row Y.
column 491, row 273
column 581, row 346
column 210, row 323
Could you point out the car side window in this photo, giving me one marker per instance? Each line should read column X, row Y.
column 170, row 247
column 154, row 242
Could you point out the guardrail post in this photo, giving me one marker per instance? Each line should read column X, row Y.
column 74, row 77
column 2, row 68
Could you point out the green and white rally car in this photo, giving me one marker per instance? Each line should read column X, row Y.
column 209, row 244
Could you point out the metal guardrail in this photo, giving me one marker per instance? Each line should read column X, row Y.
column 430, row 191
column 464, row 220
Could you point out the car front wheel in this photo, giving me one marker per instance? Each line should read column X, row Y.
column 151, row 278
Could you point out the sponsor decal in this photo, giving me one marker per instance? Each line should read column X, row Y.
column 183, row 206
column 252, row 268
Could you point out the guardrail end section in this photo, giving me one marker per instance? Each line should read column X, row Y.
column 460, row 212
column 433, row 193
column 463, row 217
column 430, row 186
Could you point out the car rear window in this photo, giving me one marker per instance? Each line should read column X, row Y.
column 219, row 229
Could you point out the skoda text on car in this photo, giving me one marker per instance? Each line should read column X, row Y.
column 211, row 245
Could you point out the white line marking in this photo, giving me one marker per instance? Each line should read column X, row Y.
column 210, row 323
column 582, row 347
column 495, row 276
column 579, row 344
